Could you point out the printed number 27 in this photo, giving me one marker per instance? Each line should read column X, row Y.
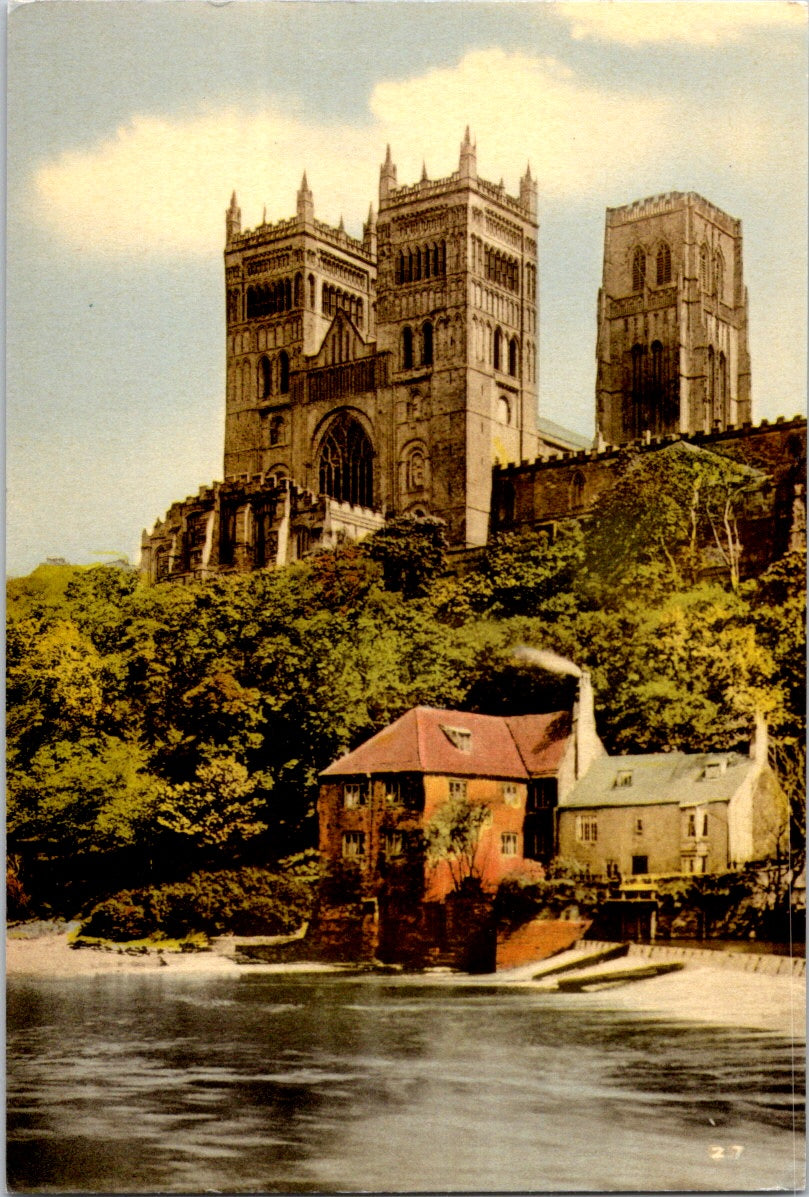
column 717, row 1152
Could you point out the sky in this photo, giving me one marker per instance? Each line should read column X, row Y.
column 130, row 123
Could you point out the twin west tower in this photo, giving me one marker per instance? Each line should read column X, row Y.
column 375, row 377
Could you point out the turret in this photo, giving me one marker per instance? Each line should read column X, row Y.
column 306, row 203
column 528, row 193
column 233, row 220
column 369, row 232
column 387, row 177
column 468, row 164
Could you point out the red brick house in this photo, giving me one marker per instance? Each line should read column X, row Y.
column 376, row 802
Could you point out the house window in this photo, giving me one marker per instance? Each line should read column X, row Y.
column 691, row 829
column 353, row 844
column 704, row 826
column 511, row 795
column 508, row 843
column 353, row 795
column 623, row 778
column 714, row 769
column 640, row 864
column 613, row 871
column 692, row 864
column 393, row 843
column 457, row 787
column 586, row 829
column 639, row 826
column 393, row 791
column 459, row 737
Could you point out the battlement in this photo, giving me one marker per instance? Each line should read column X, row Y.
column 670, row 201
column 609, row 452
column 428, row 188
column 267, row 234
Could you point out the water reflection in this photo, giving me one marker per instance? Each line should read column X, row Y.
column 157, row 1084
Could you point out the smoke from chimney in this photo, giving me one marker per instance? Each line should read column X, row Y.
column 544, row 659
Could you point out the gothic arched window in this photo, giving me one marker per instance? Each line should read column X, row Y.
column 663, row 264
column 638, row 269
column 407, row 348
column 512, row 357
column 346, row 467
column 497, row 355
column 427, row 343
column 264, row 378
column 704, row 268
column 721, row 388
column 711, row 382
column 719, row 274
column 657, row 370
column 298, row 290
column 312, row 291
column 577, row 491
column 283, row 363
column 277, row 430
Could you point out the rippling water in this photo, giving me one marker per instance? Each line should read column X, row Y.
column 155, row 1083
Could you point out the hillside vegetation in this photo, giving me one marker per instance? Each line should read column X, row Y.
column 155, row 733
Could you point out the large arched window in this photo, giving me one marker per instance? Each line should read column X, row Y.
column 346, row 467
column 298, row 290
column 657, row 371
column 720, row 410
column 312, row 291
column 283, row 362
column 497, row 355
column 407, row 348
column 663, row 264
column 427, row 343
column 710, row 381
column 264, row 378
column 577, row 491
column 638, row 269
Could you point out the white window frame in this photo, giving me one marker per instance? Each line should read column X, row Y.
column 353, row 845
column 511, row 794
column 587, row 829
column 509, row 840
column 458, row 787
column 353, row 795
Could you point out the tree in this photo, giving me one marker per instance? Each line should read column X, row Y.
column 217, row 811
column 411, row 550
column 452, row 836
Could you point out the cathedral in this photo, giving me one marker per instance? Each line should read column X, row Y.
column 397, row 374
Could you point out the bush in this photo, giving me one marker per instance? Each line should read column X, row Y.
column 248, row 901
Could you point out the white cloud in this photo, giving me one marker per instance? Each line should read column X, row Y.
column 636, row 22
column 159, row 186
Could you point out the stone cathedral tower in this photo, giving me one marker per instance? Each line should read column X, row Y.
column 457, row 315
column 672, row 321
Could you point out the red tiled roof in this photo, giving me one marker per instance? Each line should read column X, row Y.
column 541, row 739
column 498, row 747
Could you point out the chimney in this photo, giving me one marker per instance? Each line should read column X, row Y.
column 759, row 741
column 586, row 744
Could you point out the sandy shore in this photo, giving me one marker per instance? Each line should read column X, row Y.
column 698, row 993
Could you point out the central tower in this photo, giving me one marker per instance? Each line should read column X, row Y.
column 456, row 312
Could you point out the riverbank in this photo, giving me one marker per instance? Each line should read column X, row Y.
column 701, row 992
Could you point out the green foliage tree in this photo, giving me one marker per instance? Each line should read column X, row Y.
column 217, row 812
column 411, row 550
column 452, row 837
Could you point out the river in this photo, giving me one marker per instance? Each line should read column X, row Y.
column 259, row 1083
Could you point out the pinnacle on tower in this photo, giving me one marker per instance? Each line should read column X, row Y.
column 423, row 171
column 305, row 201
column 233, row 220
column 387, row 176
column 369, row 231
column 528, row 192
column 468, row 165
column 341, row 226
column 371, row 215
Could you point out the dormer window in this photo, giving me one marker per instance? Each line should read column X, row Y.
column 459, row 737
column 623, row 778
column 714, row 769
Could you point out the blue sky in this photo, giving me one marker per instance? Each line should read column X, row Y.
column 130, row 123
